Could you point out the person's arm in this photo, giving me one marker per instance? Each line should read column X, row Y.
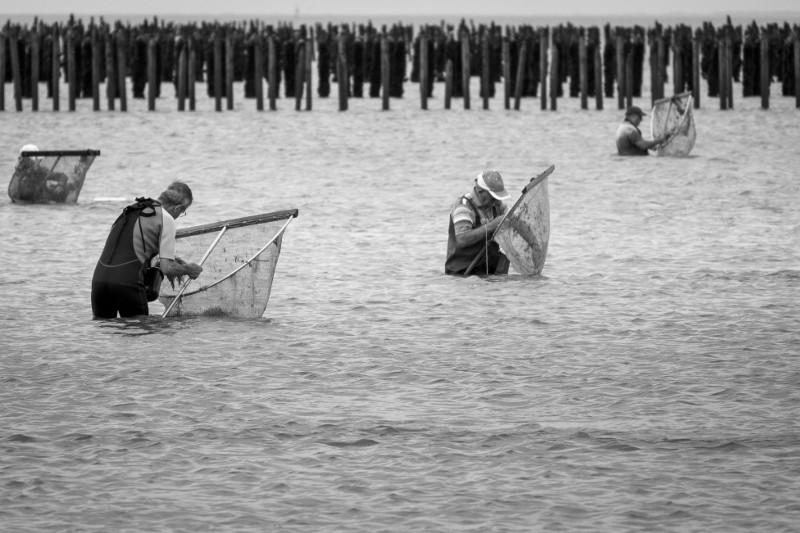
column 175, row 268
column 466, row 234
column 637, row 139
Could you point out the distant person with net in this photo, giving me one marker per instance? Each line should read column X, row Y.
column 629, row 136
column 145, row 230
column 473, row 219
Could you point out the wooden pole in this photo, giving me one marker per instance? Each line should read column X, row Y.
column 272, row 72
column 55, row 78
column 696, row 69
column 448, row 83
column 309, row 57
column 218, row 72
column 344, row 76
column 465, row 66
column 543, row 46
column 3, row 69
column 384, row 73
column 192, row 73
column 797, row 70
column 765, row 77
column 151, row 74
column 485, row 80
column 729, row 69
column 522, row 60
column 16, row 71
column 583, row 70
column 96, row 60
column 555, row 79
column 622, row 86
column 182, row 77
column 72, row 69
column 122, row 70
column 506, row 74
column 723, row 84
column 34, row 70
column 677, row 68
column 598, row 77
column 229, row 71
column 660, row 61
column 258, row 71
column 299, row 74
column 423, row 70
column 111, row 78
column 628, row 79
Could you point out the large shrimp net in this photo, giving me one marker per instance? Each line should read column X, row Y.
column 672, row 118
column 238, row 270
column 50, row 176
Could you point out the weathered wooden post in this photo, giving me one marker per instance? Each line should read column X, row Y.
column 229, row 69
column 555, row 79
column 485, row 80
column 448, row 83
column 384, row 72
column 16, row 71
column 522, row 60
column 151, row 74
column 466, row 62
column 55, row 77
column 343, row 75
column 192, row 73
column 696, row 68
column 111, row 76
column 797, row 69
column 598, row 77
column 34, row 69
column 299, row 74
column 218, row 70
column 583, row 70
column 96, row 59
column 182, row 76
column 309, row 57
column 629, row 78
column 423, row 69
column 258, row 71
column 3, row 68
column 544, row 34
column 729, row 67
column 72, row 68
column 721, row 64
column 506, row 74
column 658, row 90
column 677, row 67
column 622, row 86
column 765, row 77
column 122, row 69
column 272, row 72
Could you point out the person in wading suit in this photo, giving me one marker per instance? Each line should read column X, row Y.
column 473, row 219
column 144, row 230
column 629, row 136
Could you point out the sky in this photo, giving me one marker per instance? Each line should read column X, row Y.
column 400, row 7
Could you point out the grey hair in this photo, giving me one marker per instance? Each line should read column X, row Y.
column 176, row 194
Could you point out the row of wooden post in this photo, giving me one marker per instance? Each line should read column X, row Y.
column 187, row 57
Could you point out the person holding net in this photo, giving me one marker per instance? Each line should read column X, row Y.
column 629, row 137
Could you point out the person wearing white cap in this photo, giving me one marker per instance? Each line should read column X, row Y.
column 32, row 176
column 473, row 219
column 629, row 136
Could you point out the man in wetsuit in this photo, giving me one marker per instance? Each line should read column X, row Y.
column 473, row 219
column 144, row 230
column 629, row 136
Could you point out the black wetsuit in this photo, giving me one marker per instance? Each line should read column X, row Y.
column 117, row 284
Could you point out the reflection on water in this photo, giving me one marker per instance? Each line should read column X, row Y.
column 646, row 381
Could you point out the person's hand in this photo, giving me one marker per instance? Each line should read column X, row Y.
column 193, row 270
column 493, row 224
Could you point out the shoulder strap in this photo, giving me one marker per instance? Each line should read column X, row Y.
column 467, row 201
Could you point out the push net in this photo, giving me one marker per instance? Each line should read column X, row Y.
column 50, row 176
column 672, row 118
column 241, row 255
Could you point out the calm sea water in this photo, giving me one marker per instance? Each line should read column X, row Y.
column 647, row 381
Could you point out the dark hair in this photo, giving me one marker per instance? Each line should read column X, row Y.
column 177, row 193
